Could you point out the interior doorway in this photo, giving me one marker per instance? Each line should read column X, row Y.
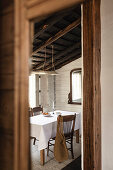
column 56, row 55
column 91, row 78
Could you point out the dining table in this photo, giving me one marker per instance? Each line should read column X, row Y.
column 44, row 127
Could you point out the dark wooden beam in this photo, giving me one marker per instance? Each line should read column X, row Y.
column 63, row 39
column 47, row 25
column 35, row 62
column 40, row 55
column 91, row 85
column 37, row 59
column 50, row 22
column 58, row 35
column 67, row 62
column 57, row 56
column 61, row 46
column 69, row 33
column 57, row 47
column 43, row 52
column 63, row 59
column 64, row 42
column 68, row 39
column 48, row 50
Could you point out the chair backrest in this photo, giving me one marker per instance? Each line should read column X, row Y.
column 30, row 112
column 37, row 110
column 68, row 125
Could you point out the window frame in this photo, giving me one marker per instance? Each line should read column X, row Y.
column 70, row 94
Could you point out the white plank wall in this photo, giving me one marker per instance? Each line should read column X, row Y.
column 58, row 91
column 47, row 92
column 63, row 87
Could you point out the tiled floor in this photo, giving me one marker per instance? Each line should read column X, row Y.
column 50, row 162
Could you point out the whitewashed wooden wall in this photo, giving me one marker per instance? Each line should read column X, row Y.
column 47, row 92
column 63, row 87
column 59, row 93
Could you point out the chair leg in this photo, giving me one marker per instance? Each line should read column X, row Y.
column 72, row 148
column 34, row 141
column 48, row 149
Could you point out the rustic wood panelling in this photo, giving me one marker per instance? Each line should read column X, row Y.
column 7, row 28
column 6, row 58
column 6, row 114
column 63, row 87
column 6, row 150
column 6, row 64
column 6, row 50
column 5, row 4
column 6, row 85
column 31, row 3
column 7, row 82
column 51, row 6
column 21, row 73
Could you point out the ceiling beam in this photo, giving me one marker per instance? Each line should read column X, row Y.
column 34, row 59
column 49, row 23
column 34, row 62
column 69, row 33
column 67, row 62
column 40, row 55
column 60, row 54
column 63, row 59
column 58, row 35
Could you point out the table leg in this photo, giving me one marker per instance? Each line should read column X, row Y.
column 77, row 135
column 42, row 157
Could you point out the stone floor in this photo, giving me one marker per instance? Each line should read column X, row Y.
column 50, row 162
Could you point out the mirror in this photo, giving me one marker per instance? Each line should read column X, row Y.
column 74, row 96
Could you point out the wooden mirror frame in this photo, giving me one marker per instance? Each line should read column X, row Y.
column 25, row 12
column 70, row 94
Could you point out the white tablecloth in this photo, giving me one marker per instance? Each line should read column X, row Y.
column 44, row 128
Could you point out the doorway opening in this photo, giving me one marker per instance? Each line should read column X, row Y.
column 56, row 47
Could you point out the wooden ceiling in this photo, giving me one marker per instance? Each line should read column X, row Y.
column 62, row 31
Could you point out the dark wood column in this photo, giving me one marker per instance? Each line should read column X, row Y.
column 91, row 85
column 6, row 85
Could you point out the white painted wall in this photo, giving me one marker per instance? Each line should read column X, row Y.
column 47, row 92
column 59, row 93
column 107, row 83
column 32, row 90
column 63, row 87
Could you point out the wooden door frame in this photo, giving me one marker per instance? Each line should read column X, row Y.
column 25, row 12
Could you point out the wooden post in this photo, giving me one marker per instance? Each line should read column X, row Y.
column 91, row 85
column 42, row 157
column 77, row 135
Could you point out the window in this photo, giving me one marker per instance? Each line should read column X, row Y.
column 32, row 91
column 75, row 87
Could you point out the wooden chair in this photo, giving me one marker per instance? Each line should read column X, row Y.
column 30, row 112
column 33, row 112
column 68, row 128
column 37, row 110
